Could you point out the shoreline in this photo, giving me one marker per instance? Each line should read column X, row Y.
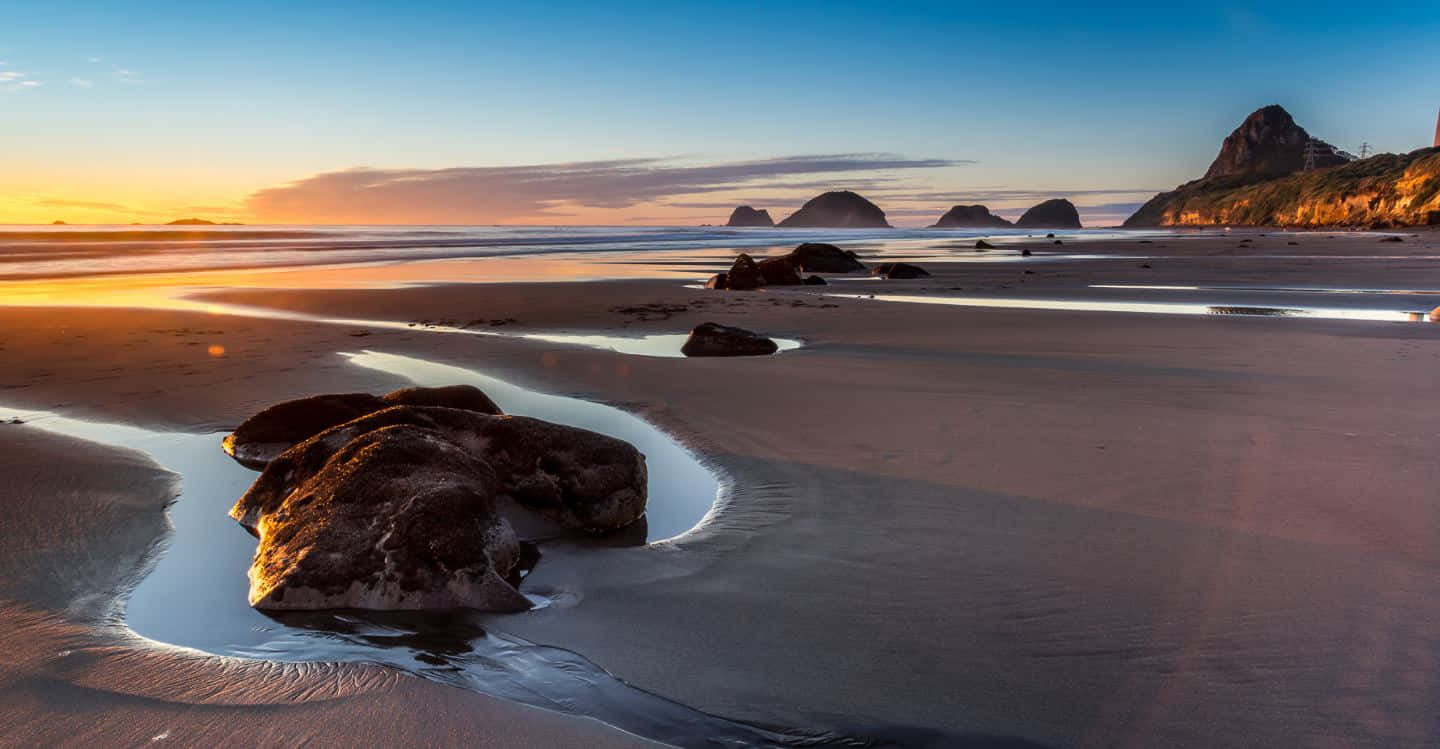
column 1016, row 562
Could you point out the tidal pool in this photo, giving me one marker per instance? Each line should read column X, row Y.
column 194, row 596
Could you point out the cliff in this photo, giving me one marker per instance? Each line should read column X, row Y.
column 1381, row 191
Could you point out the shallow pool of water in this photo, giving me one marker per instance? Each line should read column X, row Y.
column 195, row 594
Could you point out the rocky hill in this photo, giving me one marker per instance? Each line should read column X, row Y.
column 747, row 216
column 1052, row 214
column 1381, row 191
column 838, row 210
column 1269, row 144
column 1259, row 179
column 969, row 217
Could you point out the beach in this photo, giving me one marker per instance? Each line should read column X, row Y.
column 940, row 524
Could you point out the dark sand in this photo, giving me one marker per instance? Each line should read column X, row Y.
column 1070, row 528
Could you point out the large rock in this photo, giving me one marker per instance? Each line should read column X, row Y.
column 838, row 210
column 892, row 271
column 274, row 430
column 1270, row 144
column 397, row 518
column 779, row 271
column 747, row 216
column 818, row 257
column 744, row 275
column 712, row 339
column 970, row 217
column 1058, row 213
column 578, row 478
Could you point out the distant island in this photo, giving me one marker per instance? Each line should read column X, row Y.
column 746, row 216
column 190, row 222
column 1271, row 172
column 970, row 217
column 838, row 210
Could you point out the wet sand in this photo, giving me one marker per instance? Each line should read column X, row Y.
column 947, row 524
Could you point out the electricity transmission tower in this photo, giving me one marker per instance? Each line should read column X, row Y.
column 1366, row 149
column 1312, row 149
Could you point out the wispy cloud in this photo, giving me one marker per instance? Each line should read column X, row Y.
column 11, row 80
column 82, row 82
column 497, row 194
column 97, row 59
column 122, row 75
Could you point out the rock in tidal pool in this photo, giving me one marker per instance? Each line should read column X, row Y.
column 398, row 518
column 274, row 430
column 898, row 270
column 580, row 479
column 711, row 339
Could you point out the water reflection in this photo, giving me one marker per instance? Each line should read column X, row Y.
column 1159, row 308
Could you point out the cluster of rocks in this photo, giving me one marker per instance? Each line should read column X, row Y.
column 812, row 257
column 844, row 209
column 394, row 501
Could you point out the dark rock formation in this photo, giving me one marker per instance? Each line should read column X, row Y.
column 578, row 478
column 276, row 429
column 779, row 271
column 747, row 216
column 396, row 518
column 818, row 257
column 983, row 245
column 744, row 274
column 894, row 271
column 1269, row 144
column 969, row 217
column 711, row 339
column 1052, row 214
column 838, row 210
column 57, row 223
column 718, row 281
column 816, row 281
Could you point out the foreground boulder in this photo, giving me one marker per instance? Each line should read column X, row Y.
column 274, row 430
column 839, row 210
column 577, row 478
column 899, row 271
column 818, row 257
column 747, row 216
column 1052, row 214
column 969, row 217
column 712, row 339
column 398, row 518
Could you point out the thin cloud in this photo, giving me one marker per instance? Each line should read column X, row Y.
column 497, row 194
column 126, row 76
column 97, row 59
column 82, row 82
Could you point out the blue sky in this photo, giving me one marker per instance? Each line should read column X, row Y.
column 153, row 108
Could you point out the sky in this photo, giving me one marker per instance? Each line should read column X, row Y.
column 668, row 113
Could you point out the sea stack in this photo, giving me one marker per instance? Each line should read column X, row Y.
column 1052, row 214
column 1270, row 144
column 747, row 216
column 969, row 217
column 838, row 210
